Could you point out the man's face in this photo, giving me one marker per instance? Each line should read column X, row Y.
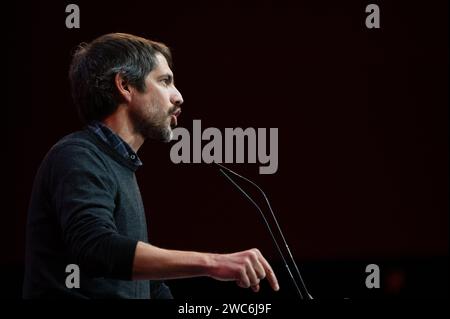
column 154, row 112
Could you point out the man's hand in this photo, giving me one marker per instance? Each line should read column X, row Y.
column 247, row 268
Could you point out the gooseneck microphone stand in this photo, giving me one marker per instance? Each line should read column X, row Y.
column 300, row 287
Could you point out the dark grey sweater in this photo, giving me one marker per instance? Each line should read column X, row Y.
column 85, row 209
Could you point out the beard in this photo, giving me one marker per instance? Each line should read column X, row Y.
column 153, row 126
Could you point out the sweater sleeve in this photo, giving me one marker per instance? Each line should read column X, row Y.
column 83, row 194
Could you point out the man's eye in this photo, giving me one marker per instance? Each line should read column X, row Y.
column 166, row 81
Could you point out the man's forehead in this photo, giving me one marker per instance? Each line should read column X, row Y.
column 162, row 66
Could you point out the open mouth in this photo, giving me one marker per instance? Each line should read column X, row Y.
column 173, row 118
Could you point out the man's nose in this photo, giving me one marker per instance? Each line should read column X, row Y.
column 176, row 98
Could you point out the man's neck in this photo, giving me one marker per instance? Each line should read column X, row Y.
column 120, row 124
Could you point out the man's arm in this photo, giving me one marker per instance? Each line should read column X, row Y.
column 82, row 195
column 247, row 267
column 84, row 201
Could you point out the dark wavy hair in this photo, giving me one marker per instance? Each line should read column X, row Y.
column 95, row 65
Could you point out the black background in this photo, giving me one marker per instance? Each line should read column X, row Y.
column 363, row 134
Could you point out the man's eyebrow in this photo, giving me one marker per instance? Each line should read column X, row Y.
column 167, row 75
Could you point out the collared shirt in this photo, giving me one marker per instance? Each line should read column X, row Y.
column 114, row 140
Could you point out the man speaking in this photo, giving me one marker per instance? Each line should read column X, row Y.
column 86, row 208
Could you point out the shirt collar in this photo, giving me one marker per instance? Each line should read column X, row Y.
column 115, row 141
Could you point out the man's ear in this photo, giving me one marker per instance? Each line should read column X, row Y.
column 123, row 87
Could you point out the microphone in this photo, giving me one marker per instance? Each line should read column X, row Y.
column 301, row 289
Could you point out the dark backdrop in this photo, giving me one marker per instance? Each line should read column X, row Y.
column 363, row 133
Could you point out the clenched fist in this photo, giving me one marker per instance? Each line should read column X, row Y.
column 247, row 268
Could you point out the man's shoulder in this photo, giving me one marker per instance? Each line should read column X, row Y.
column 74, row 157
column 82, row 149
column 74, row 145
column 81, row 138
